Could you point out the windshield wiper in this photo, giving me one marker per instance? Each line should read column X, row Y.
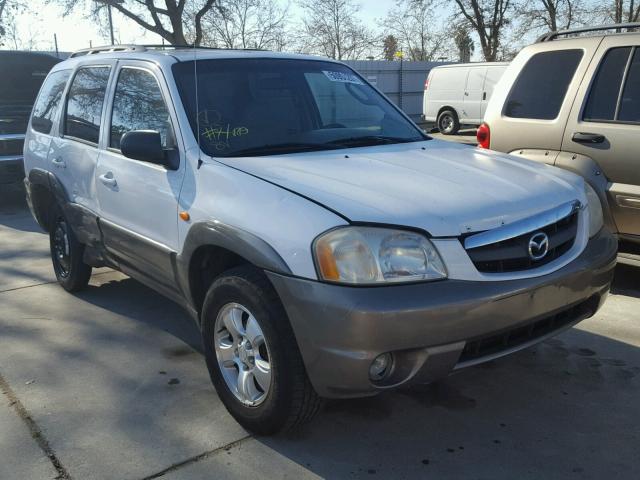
column 274, row 149
column 372, row 140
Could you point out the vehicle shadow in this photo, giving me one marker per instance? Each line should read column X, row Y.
column 14, row 212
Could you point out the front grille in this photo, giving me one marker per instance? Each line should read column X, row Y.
column 512, row 255
column 492, row 345
column 11, row 148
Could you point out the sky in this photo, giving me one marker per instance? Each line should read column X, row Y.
column 76, row 31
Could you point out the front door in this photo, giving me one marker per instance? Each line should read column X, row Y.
column 606, row 127
column 138, row 200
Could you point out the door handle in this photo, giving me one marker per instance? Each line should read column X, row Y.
column 108, row 179
column 466, row 94
column 484, row 95
column 59, row 162
column 629, row 202
column 588, row 138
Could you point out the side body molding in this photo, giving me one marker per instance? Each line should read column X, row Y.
column 240, row 242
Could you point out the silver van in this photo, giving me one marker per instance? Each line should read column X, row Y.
column 456, row 95
column 583, row 117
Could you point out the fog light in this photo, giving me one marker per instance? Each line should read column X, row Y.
column 380, row 367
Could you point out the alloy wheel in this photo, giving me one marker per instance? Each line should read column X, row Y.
column 243, row 354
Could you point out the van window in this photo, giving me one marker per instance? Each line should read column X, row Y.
column 603, row 97
column 630, row 102
column 138, row 105
column 46, row 107
column 84, row 106
column 540, row 89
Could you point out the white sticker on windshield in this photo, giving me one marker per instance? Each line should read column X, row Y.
column 344, row 77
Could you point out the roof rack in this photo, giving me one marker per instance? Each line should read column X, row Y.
column 144, row 48
column 547, row 37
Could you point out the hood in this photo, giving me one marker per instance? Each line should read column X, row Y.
column 443, row 188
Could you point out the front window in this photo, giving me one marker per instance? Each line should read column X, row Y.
column 138, row 105
column 255, row 107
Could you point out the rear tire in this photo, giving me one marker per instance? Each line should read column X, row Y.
column 66, row 254
column 286, row 400
column 448, row 122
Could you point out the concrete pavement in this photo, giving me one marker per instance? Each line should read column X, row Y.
column 110, row 384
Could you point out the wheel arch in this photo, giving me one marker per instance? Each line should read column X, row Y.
column 445, row 108
column 212, row 248
column 44, row 191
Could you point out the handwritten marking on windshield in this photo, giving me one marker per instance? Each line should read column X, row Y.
column 219, row 136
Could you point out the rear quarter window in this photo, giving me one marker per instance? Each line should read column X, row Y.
column 46, row 108
column 542, row 85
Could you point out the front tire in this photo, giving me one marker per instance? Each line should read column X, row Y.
column 252, row 355
column 66, row 254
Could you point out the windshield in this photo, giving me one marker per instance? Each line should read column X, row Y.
column 254, row 107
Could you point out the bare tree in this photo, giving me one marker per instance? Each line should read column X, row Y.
column 488, row 18
column 389, row 47
column 412, row 23
column 166, row 18
column 247, row 24
column 8, row 11
column 332, row 28
column 628, row 13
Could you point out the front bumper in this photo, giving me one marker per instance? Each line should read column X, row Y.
column 434, row 328
column 11, row 169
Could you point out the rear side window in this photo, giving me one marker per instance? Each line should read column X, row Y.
column 138, row 105
column 540, row 89
column 630, row 101
column 84, row 105
column 46, row 108
column 603, row 97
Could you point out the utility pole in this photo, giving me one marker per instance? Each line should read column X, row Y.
column 110, row 24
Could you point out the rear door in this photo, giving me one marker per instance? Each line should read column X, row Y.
column 74, row 152
column 473, row 94
column 139, row 200
column 605, row 126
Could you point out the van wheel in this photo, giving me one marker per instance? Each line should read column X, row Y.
column 66, row 254
column 448, row 122
column 252, row 355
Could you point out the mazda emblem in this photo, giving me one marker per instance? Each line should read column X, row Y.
column 538, row 246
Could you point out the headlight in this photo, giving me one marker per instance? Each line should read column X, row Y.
column 595, row 210
column 366, row 255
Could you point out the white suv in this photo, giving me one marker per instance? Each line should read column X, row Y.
column 325, row 246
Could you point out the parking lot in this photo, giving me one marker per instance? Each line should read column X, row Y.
column 110, row 383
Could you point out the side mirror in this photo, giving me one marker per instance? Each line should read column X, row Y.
column 144, row 145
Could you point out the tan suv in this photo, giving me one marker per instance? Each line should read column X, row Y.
column 572, row 100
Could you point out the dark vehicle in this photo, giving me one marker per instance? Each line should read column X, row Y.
column 22, row 76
